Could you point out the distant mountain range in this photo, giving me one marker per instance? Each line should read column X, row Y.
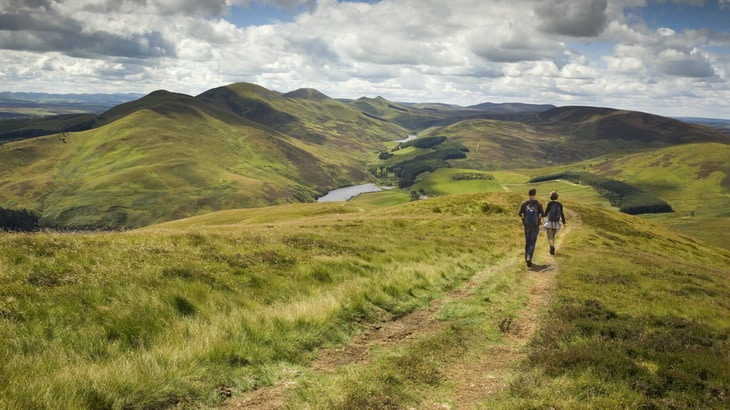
column 31, row 105
column 15, row 105
column 720, row 124
column 166, row 155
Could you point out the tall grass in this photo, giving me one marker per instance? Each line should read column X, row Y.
column 184, row 313
column 641, row 321
column 175, row 314
column 416, row 373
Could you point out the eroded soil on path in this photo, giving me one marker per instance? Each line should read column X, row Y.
column 475, row 380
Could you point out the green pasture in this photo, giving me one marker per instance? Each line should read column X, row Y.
column 441, row 182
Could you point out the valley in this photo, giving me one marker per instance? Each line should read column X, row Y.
column 167, row 156
column 182, row 259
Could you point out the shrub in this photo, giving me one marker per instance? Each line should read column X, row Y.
column 469, row 176
column 18, row 220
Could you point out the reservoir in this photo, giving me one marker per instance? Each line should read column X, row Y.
column 410, row 137
column 347, row 193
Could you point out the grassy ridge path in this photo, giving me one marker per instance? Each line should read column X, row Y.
column 474, row 381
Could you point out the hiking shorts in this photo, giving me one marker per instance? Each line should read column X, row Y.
column 551, row 233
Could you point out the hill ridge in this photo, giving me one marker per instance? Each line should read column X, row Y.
column 291, row 147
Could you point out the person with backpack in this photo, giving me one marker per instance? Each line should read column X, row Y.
column 531, row 211
column 554, row 212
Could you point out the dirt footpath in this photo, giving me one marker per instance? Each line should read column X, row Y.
column 475, row 380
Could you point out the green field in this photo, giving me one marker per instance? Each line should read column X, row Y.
column 173, row 314
column 441, row 182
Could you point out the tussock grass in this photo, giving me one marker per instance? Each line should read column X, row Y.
column 178, row 314
column 415, row 373
column 173, row 314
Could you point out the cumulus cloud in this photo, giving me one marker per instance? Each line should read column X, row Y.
column 38, row 26
column 457, row 51
column 510, row 43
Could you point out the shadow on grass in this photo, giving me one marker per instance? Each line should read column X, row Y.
column 540, row 268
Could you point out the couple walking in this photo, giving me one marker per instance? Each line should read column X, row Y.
column 531, row 212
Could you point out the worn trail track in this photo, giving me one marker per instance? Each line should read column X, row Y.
column 474, row 380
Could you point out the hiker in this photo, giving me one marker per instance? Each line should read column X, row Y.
column 554, row 212
column 531, row 211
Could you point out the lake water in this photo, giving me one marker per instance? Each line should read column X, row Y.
column 347, row 193
column 409, row 138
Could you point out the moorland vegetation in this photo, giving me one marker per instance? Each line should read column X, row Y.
column 187, row 313
column 205, row 270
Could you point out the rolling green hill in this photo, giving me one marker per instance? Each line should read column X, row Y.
column 694, row 178
column 568, row 134
column 168, row 155
column 497, row 144
column 327, row 126
column 596, row 123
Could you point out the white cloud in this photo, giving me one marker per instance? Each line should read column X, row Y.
column 666, row 32
column 626, row 64
column 459, row 51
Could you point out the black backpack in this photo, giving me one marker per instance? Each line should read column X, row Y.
column 532, row 215
column 554, row 214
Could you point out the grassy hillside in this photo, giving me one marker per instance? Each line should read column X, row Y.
column 568, row 134
column 165, row 315
column 411, row 117
column 693, row 178
column 640, row 320
column 455, row 181
column 496, row 144
column 307, row 115
column 168, row 156
column 186, row 313
column 123, row 175
column 631, row 127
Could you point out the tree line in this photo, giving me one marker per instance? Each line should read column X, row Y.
column 18, row 220
column 628, row 199
column 439, row 151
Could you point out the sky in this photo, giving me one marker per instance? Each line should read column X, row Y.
column 667, row 57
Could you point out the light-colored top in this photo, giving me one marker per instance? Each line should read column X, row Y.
column 551, row 225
